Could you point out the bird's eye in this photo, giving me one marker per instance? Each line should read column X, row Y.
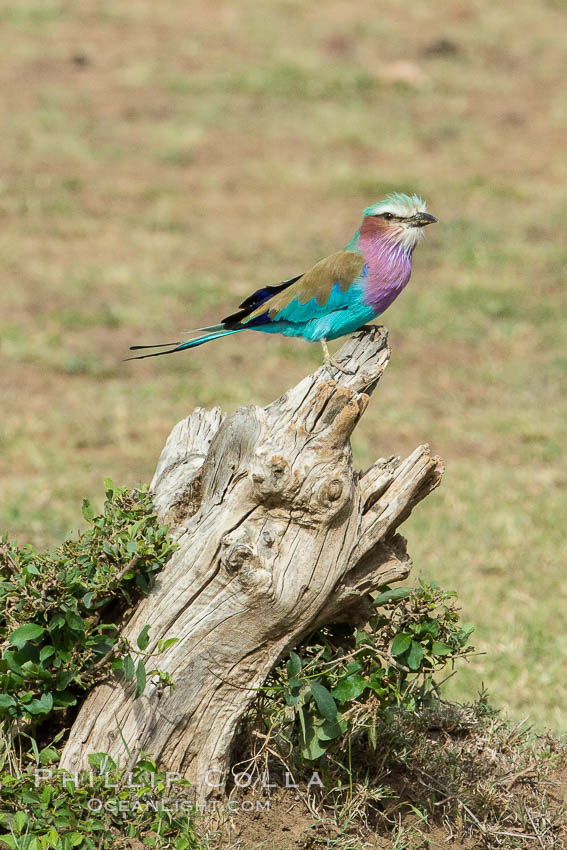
column 387, row 216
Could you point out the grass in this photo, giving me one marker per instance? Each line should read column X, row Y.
column 447, row 773
column 160, row 162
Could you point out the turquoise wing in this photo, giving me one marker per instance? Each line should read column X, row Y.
column 325, row 288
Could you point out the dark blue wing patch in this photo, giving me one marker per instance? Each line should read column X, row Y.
column 255, row 300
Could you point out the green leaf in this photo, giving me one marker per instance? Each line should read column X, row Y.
column 165, row 644
column 146, row 764
column 429, row 628
column 140, row 679
column 75, row 838
column 331, row 729
column 134, row 529
column 292, row 693
column 9, row 840
column 88, row 512
column 40, row 706
column 35, row 749
column 128, row 667
column 363, row 638
column 293, row 666
column 53, row 838
column 109, row 487
column 46, row 652
column 400, row 643
column 132, row 546
column 64, row 698
column 312, row 749
column 25, row 697
column 439, row 647
column 56, row 621
column 143, row 639
column 141, row 583
column 10, row 659
column 349, row 688
column 62, row 679
column 301, row 715
column 376, row 682
column 20, row 820
column 30, row 631
column 102, row 762
column 48, row 755
column 394, row 595
column 414, row 656
column 6, row 701
column 325, row 702
column 74, row 621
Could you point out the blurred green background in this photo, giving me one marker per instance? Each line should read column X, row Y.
column 162, row 160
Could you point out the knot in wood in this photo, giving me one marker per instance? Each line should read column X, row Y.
column 332, row 494
column 237, row 556
column 333, row 490
column 278, row 468
column 271, row 476
column 268, row 538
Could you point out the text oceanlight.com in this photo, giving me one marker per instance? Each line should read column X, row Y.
column 175, row 806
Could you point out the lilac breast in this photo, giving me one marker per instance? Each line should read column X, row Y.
column 389, row 270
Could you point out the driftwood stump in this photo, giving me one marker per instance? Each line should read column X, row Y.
column 277, row 535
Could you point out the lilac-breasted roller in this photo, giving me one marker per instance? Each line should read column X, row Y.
column 339, row 294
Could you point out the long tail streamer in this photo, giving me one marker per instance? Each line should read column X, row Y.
column 181, row 346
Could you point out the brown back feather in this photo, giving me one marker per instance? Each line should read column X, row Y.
column 342, row 268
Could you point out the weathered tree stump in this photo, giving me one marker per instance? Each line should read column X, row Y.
column 277, row 535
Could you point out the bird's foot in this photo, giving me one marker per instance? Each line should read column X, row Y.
column 332, row 362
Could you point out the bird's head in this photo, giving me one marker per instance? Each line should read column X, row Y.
column 399, row 219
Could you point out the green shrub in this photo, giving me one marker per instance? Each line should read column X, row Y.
column 59, row 610
column 343, row 683
column 55, row 812
column 59, row 636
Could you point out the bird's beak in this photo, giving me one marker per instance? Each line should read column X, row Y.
column 420, row 219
